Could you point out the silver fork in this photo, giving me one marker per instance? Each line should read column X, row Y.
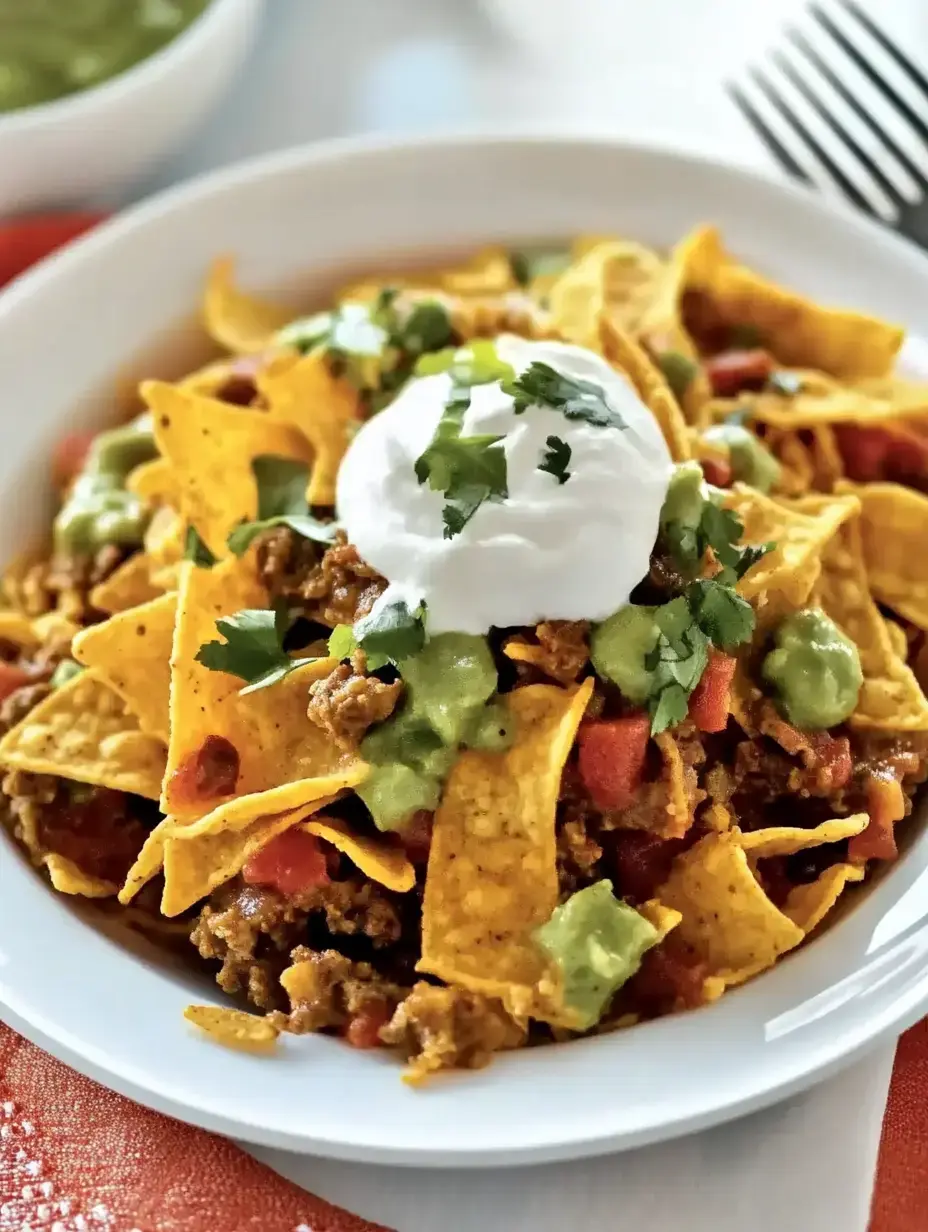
column 806, row 71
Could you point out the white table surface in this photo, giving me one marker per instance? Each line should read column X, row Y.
column 642, row 68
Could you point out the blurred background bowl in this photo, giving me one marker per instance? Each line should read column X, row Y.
column 94, row 144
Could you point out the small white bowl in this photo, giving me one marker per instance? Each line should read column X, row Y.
column 100, row 140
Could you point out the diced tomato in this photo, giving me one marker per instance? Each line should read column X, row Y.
column 211, row 771
column 886, row 805
column 670, row 978
column 828, row 762
column 710, row 701
column 611, row 758
column 871, row 453
column 638, row 861
column 292, row 863
column 733, row 371
column 363, row 1029
column 717, row 471
column 23, row 241
column 11, row 679
column 69, row 457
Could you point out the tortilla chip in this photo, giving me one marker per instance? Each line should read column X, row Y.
column 648, row 382
column 800, row 534
column 893, row 522
column 84, row 732
column 155, row 481
column 233, row 1028
column 787, row 840
column 17, row 628
column 239, row 322
column 132, row 652
column 197, row 860
column 164, row 547
column 67, row 878
column 616, row 279
column 210, row 446
column 301, row 392
column 54, row 626
column 492, row 872
column 799, row 332
column 487, row 272
column 376, row 858
column 807, row 905
column 822, row 401
column 285, row 761
column 129, row 585
column 797, row 467
column 891, row 698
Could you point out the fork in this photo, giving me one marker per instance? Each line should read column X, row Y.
column 806, row 71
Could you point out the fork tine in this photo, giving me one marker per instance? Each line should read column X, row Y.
column 802, row 44
column 888, row 91
column 888, row 46
column 773, row 143
column 847, row 186
column 839, row 130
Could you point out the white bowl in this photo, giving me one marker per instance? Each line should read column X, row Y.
column 99, row 141
column 80, row 993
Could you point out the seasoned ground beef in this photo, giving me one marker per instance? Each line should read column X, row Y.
column 16, row 705
column 566, row 648
column 39, row 665
column 335, row 589
column 348, row 701
column 449, row 1028
column 328, row 991
column 285, row 559
column 578, row 854
column 250, row 929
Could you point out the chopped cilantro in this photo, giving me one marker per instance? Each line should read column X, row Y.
column 786, row 384
column 528, row 264
column 427, row 328
column 679, row 371
column 542, row 385
column 281, row 484
column 719, row 529
column 342, row 642
column 196, row 550
column 556, row 459
column 253, row 649
column 721, row 613
column 390, row 633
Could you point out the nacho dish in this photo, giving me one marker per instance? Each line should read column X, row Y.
column 512, row 651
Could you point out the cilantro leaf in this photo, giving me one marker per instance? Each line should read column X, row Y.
column 253, row 649
column 196, row 550
column 542, row 385
column 668, row 708
column 390, row 632
column 528, row 263
column 427, row 328
column 721, row 613
column 342, row 642
column 556, row 458
column 281, row 484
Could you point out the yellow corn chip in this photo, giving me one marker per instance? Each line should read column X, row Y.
column 132, row 652
column 792, row 568
column 302, row 392
column 233, row 1028
column 155, row 481
column 375, row 858
column 211, row 446
column 893, row 522
column 799, row 332
column 616, row 279
column 239, row 322
column 127, row 586
column 83, row 731
column 891, row 698
column 627, row 356
column 823, row 401
column 492, row 873
column 897, row 637
column 807, row 905
column 662, row 917
column 487, row 272
column 196, row 861
column 284, row 760
column 54, row 626
column 164, row 547
column 17, row 628
column 67, row 878
column 787, row 840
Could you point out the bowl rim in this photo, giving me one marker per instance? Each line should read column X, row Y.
column 83, row 103
column 907, row 1002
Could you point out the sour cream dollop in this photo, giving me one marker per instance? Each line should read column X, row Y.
column 550, row 550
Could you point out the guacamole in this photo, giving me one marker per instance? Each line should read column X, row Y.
column 50, row 48
column 814, row 669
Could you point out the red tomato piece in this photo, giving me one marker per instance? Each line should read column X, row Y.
column 734, row 371
column 11, row 679
column 611, row 758
column 69, row 457
column 23, row 241
column 829, row 762
column 872, row 454
column 717, row 472
column 710, row 701
column 363, row 1029
column 638, row 861
column 886, row 806
column 209, row 772
column 292, row 863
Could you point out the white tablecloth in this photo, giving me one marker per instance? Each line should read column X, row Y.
column 650, row 69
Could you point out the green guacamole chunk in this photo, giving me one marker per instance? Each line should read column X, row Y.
column 50, row 48
column 686, row 496
column 448, row 685
column 620, row 647
column 597, row 942
column 98, row 510
column 751, row 460
column 814, row 669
